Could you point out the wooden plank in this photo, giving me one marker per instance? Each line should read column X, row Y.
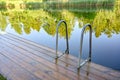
column 30, row 49
column 13, row 71
column 26, row 63
column 38, row 48
column 61, row 70
column 53, row 66
column 28, row 67
column 50, row 53
column 99, row 73
column 31, row 54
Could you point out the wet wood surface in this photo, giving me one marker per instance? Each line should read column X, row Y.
column 21, row 59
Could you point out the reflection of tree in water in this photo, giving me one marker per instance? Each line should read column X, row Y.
column 29, row 22
column 84, row 17
column 57, row 16
column 3, row 22
column 34, row 20
column 107, row 22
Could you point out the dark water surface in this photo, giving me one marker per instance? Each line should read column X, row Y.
column 40, row 26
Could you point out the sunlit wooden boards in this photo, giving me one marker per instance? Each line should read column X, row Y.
column 21, row 59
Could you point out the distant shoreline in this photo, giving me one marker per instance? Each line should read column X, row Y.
column 52, row 5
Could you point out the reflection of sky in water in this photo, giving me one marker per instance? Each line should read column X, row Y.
column 105, row 50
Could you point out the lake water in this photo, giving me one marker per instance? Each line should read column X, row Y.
column 40, row 26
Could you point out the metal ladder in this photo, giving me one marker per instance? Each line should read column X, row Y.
column 80, row 62
column 67, row 43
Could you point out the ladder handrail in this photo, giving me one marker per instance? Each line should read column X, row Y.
column 67, row 44
column 81, row 44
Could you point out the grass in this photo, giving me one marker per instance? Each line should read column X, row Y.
column 2, row 78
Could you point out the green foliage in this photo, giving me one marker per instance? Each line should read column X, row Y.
column 104, row 21
column 81, row 5
column 51, row 30
column 3, row 23
column 35, row 19
column 72, row 5
column 2, row 78
column 11, row 6
column 29, row 21
column 3, row 6
column 34, row 5
column 44, row 0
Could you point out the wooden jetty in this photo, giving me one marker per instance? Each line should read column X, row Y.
column 21, row 59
